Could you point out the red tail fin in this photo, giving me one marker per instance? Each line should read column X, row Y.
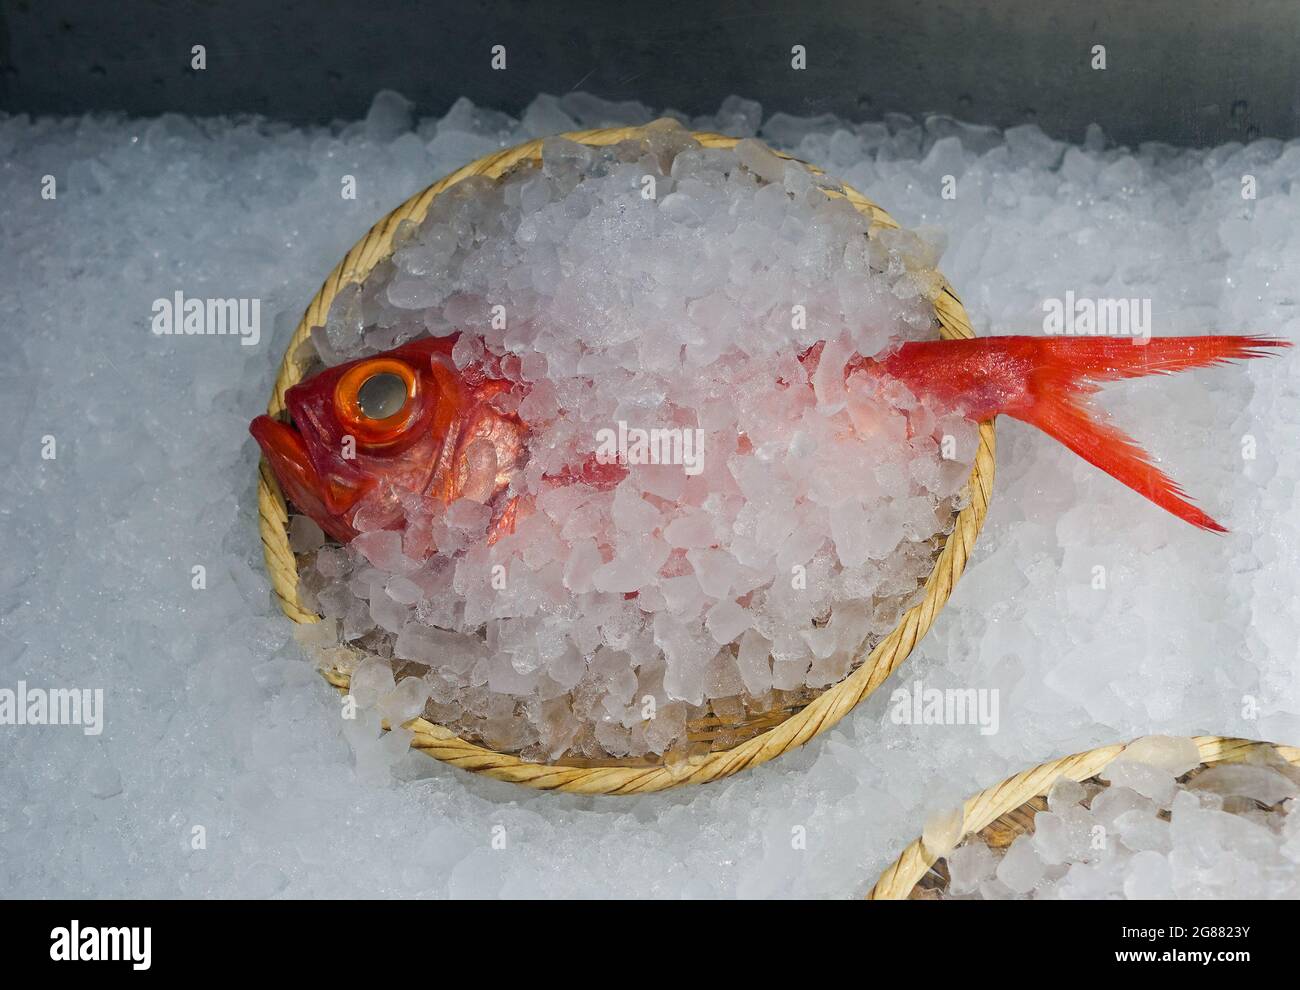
column 1060, row 379
column 1115, row 452
column 1112, row 358
column 1042, row 380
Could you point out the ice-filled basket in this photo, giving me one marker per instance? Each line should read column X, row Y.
column 1160, row 817
column 423, row 642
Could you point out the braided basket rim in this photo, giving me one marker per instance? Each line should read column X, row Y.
column 821, row 713
column 899, row 879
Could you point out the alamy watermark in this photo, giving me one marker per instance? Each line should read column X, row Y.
column 180, row 316
column 661, row 445
column 920, row 705
column 1083, row 316
column 104, row 944
column 53, row 706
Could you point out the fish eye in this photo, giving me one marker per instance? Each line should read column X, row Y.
column 378, row 399
column 381, row 395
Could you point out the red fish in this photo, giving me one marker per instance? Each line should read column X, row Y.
column 408, row 423
column 403, row 422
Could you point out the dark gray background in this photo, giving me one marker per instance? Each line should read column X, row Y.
column 1191, row 72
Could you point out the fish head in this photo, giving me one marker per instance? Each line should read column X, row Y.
column 364, row 435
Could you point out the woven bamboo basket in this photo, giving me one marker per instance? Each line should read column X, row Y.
column 718, row 750
column 1001, row 813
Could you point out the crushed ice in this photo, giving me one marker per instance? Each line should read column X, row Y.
column 214, row 721
column 653, row 284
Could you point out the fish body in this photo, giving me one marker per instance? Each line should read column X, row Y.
column 370, row 436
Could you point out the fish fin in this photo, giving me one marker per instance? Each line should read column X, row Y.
column 1044, row 380
column 1067, row 366
column 1061, row 416
column 1113, row 358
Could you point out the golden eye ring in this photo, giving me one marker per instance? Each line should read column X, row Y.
column 378, row 400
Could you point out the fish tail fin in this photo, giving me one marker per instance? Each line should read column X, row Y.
column 1113, row 358
column 1063, row 417
column 1062, row 378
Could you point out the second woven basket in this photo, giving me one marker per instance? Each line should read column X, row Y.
column 1000, row 813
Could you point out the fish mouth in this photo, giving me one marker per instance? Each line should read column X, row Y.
column 324, row 500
